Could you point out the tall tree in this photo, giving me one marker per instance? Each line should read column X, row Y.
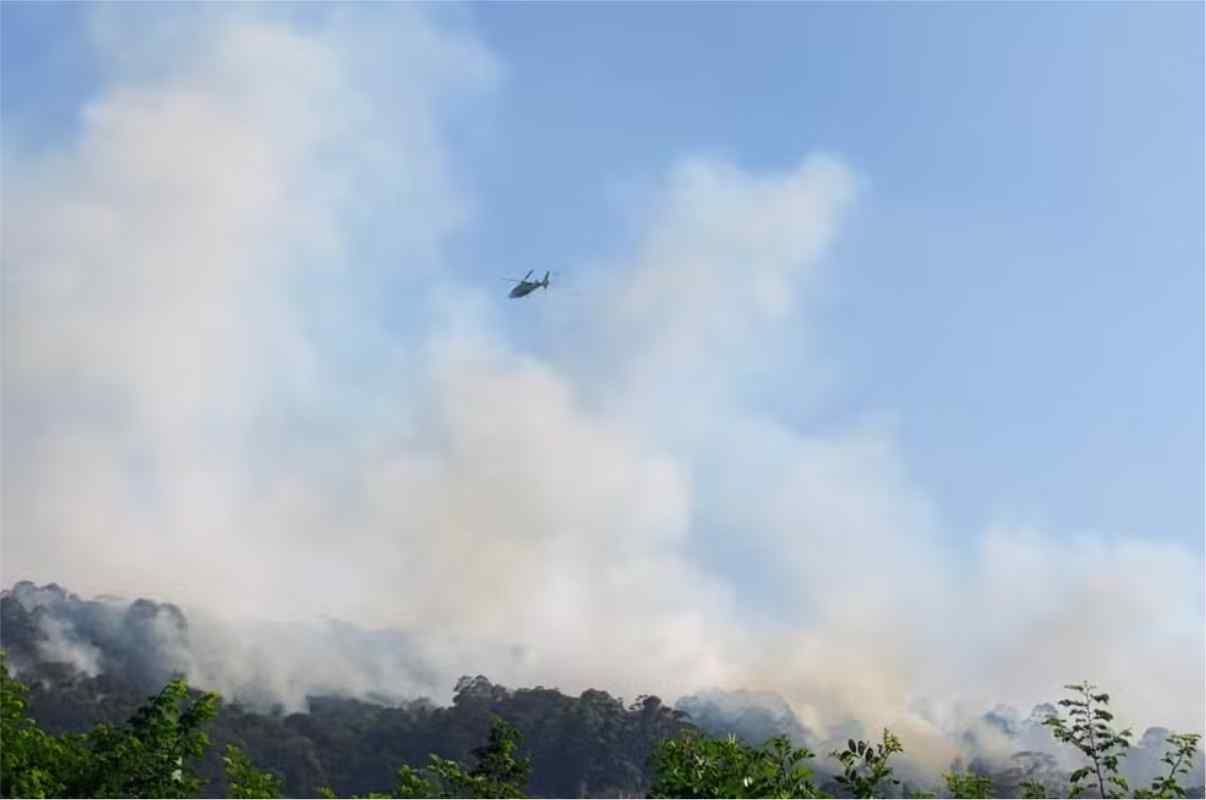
column 1087, row 728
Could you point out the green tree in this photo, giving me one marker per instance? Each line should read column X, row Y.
column 153, row 754
column 1033, row 790
column 244, row 780
column 967, row 784
column 32, row 762
column 865, row 766
column 693, row 765
column 411, row 783
column 1182, row 748
column 1087, row 728
column 499, row 771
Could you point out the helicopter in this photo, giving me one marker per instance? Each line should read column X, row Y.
column 525, row 287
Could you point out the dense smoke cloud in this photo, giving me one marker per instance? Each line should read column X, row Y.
column 207, row 401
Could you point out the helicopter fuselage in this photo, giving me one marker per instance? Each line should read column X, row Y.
column 524, row 289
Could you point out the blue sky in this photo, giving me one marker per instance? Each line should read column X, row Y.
column 911, row 293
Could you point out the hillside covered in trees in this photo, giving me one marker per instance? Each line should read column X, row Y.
column 592, row 744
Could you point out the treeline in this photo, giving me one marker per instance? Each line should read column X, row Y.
column 90, row 665
column 165, row 747
column 590, row 745
column 593, row 744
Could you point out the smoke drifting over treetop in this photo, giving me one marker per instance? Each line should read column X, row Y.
column 143, row 643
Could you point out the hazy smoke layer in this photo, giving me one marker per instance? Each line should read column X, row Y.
column 240, row 374
column 145, row 643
